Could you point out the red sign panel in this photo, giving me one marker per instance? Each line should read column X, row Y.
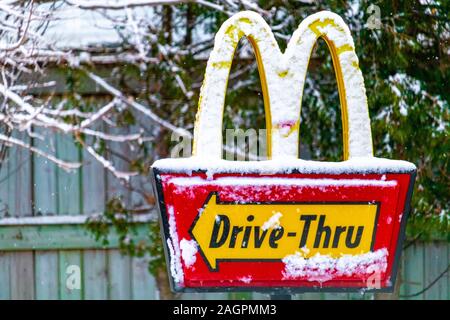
column 287, row 231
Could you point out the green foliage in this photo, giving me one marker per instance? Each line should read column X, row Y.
column 405, row 67
column 120, row 219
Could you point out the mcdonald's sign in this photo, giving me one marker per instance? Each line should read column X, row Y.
column 283, row 224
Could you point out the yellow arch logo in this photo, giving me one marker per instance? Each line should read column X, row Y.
column 282, row 79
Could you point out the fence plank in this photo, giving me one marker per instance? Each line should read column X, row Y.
column 4, row 186
column 335, row 296
column 93, row 189
column 45, row 203
column 435, row 263
column 143, row 283
column 46, row 275
column 414, row 270
column 44, row 171
column 259, row 296
column 312, row 296
column 119, row 267
column 22, row 276
column 70, row 275
column 68, row 183
column 198, row 296
column 57, row 236
column 447, row 245
column 20, row 182
column 4, row 276
column 95, row 268
column 4, row 210
column 358, row 296
column 218, row 296
column 69, row 203
column 119, row 276
column 20, row 204
column 402, row 275
column 95, row 275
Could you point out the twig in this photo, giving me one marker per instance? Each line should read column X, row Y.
column 61, row 163
column 132, row 103
column 122, row 175
column 98, row 114
column 119, row 5
column 432, row 283
column 412, row 241
column 21, row 41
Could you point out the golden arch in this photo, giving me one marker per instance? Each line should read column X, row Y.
column 282, row 80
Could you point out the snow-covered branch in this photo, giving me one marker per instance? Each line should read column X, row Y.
column 226, row 6
column 139, row 107
column 108, row 165
column 22, row 36
column 122, row 4
column 61, row 163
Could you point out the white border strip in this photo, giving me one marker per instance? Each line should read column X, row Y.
column 58, row 220
column 267, row 181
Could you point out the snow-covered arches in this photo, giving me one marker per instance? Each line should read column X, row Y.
column 282, row 80
column 208, row 125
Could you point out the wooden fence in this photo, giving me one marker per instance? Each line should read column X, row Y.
column 39, row 256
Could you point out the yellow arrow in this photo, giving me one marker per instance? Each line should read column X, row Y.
column 228, row 231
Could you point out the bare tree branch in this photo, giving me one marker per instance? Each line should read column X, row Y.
column 132, row 103
column 122, row 4
column 429, row 286
column 123, row 175
column 24, row 33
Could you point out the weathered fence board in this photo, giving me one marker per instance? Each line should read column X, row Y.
column 45, row 203
column 436, row 257
column 46, row 275
column 4, row 276
column 119, row 276
column 56, row 236
column 20, row 199
column 69, row 264
column 143, row 284
column 69, row 203
column 95, row 275
column 413, row 275
column 4, row 257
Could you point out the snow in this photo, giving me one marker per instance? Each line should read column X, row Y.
column 63, row 219
column 266, row 181
column 323, row 268
column 246, row 279
column 286, row 165
column 77, row 27
column 401, row 82
column 273, row 222
column 189, row 249
column 283, row 73
column 173, row 244
column 305, row 250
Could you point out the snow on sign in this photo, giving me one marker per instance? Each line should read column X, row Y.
column 283, row 224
